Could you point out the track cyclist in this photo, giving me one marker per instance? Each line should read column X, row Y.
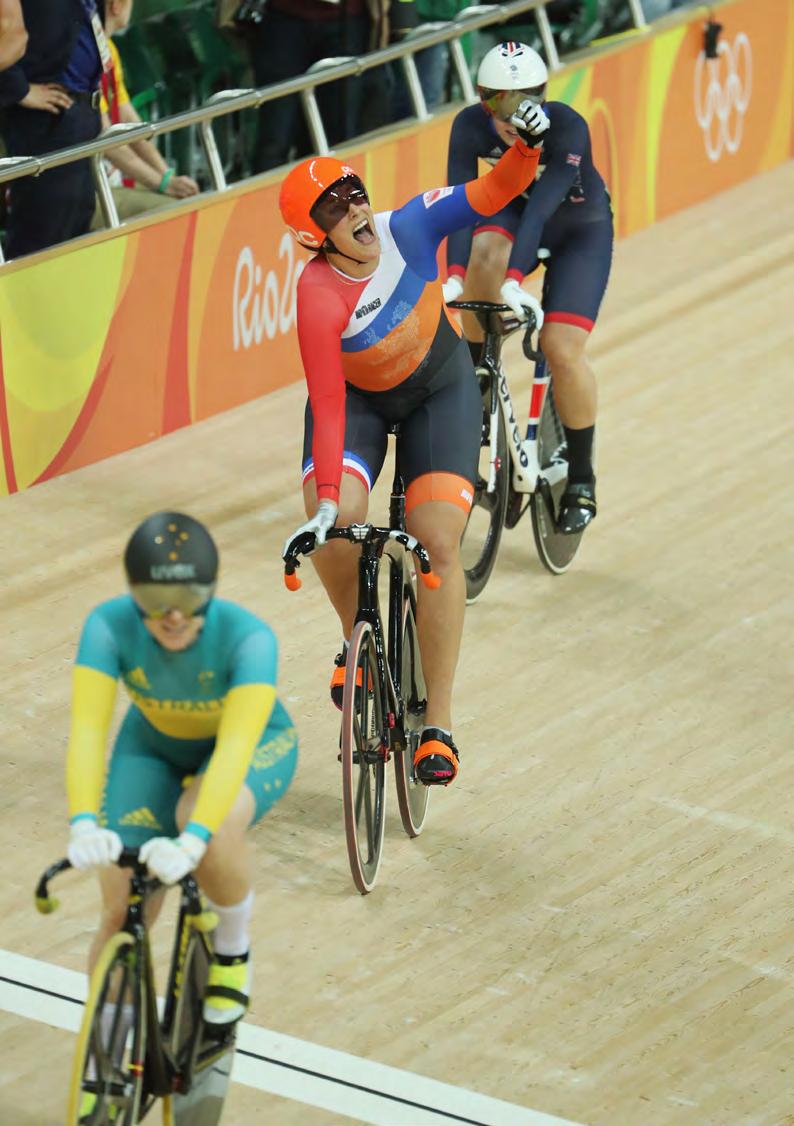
column 203, row 751
column 379, row 347
column 567, row 211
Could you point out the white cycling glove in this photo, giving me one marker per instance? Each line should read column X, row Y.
column 320, row 524
column 531, row 122
column 171, row 858
column 90, row 846
column 520, row 301
column 452, row 288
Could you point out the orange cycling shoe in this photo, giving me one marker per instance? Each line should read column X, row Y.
column 338, row 680
column 436, row 758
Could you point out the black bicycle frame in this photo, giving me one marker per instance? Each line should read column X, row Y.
column 160, row 1068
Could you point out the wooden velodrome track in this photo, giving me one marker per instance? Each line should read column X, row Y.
column 597, row 920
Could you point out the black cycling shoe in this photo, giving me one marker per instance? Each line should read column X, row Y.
column 577, row 507
column 436, row 758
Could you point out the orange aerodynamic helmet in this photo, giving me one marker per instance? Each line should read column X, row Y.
column 304, row 188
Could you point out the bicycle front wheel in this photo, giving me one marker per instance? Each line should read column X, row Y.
column 483, row 532
column 363, row 758
column 108, row 1070
column 412, row 796
column 555, row 550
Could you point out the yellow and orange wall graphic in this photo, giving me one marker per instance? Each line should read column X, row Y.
column 136, row 333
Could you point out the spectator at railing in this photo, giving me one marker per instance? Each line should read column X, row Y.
column 13, row 36
column 293, row 34
column 141, row 180
column 51, row 100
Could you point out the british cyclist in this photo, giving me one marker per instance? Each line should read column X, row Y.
column 378, row 347
column 204, row 750
column 566, row 211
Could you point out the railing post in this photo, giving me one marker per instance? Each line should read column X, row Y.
column 415, row 87
column 107, row 203
column 214, row 162
column 314, row 121
column 549, row 46
column 638, row 15
column 462, row 70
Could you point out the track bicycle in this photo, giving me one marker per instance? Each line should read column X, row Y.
column 515, row 473
column 384, row 696
column 124, row 1063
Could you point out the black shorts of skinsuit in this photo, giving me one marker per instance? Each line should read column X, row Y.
column 440, row 420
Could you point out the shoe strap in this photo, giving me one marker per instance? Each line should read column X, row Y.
column 226, row 993
column 230, row 959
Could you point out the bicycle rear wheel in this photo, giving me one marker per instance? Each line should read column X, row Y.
column 363, row 758
column 483, row 531
column 555, row 550
column 412, row 796
column 108, row 1071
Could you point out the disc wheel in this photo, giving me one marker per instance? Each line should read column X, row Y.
column 107, row 1075
column 483, row 531
column 363, row 759
column 412, row 796
column 185, row 1033
column 556, row 551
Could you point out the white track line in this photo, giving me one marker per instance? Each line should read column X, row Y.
column 283, row 1065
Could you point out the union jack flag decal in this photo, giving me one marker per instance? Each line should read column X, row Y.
column 511, row 49
column 574, row 159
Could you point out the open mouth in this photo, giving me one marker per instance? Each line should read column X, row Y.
column 363, row 233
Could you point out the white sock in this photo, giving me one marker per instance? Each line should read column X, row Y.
column 230, row 937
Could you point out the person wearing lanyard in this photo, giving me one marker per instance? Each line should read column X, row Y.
column 51, row 101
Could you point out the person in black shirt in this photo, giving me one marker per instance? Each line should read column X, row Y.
column 51, row 101
column 566, row 211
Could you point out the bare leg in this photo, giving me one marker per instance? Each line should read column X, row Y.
column 337, row 563
column 226, row 870
column 574, row 381
column 485, row 273
column 439, row 526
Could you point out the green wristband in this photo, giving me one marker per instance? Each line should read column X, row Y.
column 168, row 175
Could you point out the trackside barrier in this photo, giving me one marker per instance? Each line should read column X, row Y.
column 124, row 336
column 327, row 70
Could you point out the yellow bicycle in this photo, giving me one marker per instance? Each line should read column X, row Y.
column 127, row 1057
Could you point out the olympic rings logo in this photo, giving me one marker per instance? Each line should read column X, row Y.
column 722, row 95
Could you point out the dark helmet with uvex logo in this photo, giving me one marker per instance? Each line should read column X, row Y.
column 172, row 564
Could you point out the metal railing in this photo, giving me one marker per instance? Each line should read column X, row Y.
column 326, row 70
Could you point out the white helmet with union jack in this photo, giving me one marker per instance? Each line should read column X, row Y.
column 512, row 66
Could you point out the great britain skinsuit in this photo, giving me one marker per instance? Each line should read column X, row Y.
column 566, row 211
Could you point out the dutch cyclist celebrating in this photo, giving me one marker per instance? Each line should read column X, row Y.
column 566, row 211
column 378, row 347
column 204, row 749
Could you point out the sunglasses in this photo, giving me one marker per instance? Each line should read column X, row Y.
column 157, row 600
column 504, row 103
column 333, row 204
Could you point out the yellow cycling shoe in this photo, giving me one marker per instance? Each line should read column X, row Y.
column 228, row 988
column 88, row 1106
